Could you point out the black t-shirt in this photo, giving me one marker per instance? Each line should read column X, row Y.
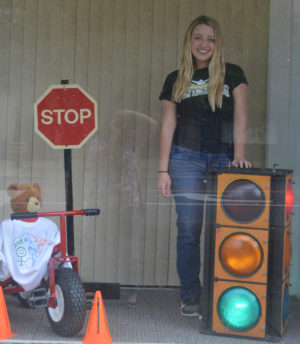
column 198, row 127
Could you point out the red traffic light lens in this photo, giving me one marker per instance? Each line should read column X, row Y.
column 289, row 200
column 241, row 254
column 243, row 201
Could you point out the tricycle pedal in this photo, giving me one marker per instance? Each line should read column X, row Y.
column 38, row 298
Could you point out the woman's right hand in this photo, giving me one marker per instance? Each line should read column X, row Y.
column 164, row 184
column 168, row 125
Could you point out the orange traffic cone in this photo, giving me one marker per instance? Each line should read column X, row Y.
column 5, row 331
column 97, row 329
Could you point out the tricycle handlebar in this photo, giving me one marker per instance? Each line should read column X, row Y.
column 91, row 212
column 20, row 216
column 86, row 212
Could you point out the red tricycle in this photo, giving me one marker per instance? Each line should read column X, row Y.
column 61, row 291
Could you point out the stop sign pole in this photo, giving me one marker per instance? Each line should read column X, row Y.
column 69, row 193
column 66, row 117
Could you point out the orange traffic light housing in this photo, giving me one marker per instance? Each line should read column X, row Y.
column 247, row 252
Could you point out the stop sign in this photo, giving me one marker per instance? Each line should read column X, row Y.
column 65, row 116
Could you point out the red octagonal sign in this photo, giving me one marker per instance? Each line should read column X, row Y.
column 65, row 116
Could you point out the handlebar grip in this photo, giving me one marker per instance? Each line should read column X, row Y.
column 20, row 216
column 91, row 212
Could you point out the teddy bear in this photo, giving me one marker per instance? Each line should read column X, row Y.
column 24, row 197
column 26, row 245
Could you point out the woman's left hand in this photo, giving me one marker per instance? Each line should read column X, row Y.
column 241, row 162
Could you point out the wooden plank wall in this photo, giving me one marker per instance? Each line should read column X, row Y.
column 120, row 52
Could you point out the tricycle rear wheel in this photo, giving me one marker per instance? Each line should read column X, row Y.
column 23, row 299
column 67, row 319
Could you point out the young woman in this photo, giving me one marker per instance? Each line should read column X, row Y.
column 204, row 124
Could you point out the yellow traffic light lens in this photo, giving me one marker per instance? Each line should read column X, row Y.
column 287, row 253
column 243, row 201
column 241, row 254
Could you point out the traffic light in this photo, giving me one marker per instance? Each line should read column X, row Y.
column 247, row 252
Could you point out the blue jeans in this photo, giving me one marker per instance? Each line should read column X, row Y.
column 188, row 171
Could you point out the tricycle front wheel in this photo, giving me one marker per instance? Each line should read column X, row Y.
column 67, row 319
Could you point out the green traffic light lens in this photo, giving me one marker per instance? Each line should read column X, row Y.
column 285, row 305
column 239, row 309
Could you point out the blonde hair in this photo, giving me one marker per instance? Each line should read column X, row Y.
column 216, row 68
